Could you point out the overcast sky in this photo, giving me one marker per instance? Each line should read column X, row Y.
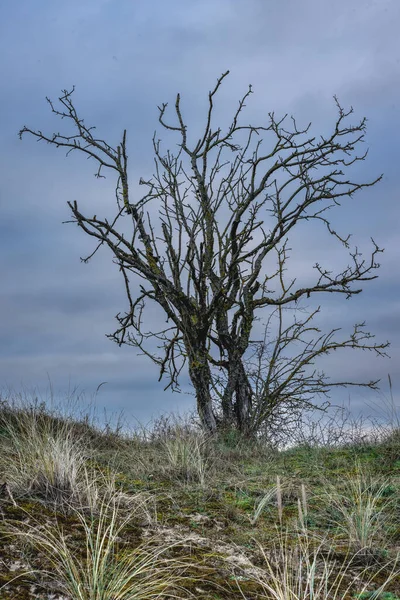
column 125, row 57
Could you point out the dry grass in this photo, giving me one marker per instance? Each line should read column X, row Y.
column 306, row 569
column 102, row 567
column 307, row 517
column 43, row 457
column 361, row 509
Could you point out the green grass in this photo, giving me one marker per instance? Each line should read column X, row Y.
column 169, row 512
column 101, row 568
column 308, row 570
column 362, row 506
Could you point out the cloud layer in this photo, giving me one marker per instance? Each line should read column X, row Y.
column 126, row 58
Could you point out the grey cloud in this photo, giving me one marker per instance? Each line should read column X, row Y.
column 125, row 60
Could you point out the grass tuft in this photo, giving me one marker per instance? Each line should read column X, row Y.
column 360, row 509
column 305, row 568
column 41, row 457
column 102, row 568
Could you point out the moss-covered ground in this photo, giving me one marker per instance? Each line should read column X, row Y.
column 227, row 512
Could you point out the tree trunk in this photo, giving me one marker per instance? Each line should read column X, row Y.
column 242, row 405
column 200, row 375
column 236, row 400
column 228, row 415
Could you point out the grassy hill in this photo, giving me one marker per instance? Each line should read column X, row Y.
column 87, row 514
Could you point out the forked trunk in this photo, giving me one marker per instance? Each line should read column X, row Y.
column 236, row 400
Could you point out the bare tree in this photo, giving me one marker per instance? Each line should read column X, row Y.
column 204, row 260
